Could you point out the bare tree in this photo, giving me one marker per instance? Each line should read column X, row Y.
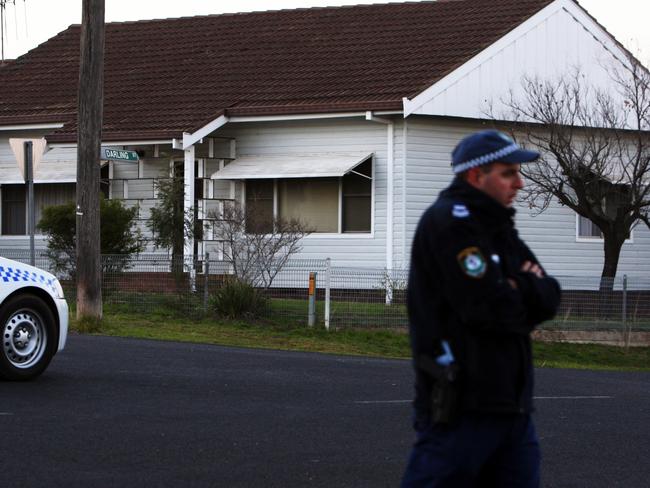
column 595, row 149
column 89, row 136
column 256, row 247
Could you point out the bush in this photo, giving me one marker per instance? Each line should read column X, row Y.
column 118, row 236
column 237, row 299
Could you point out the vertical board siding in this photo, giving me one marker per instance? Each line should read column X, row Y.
column 49, row 194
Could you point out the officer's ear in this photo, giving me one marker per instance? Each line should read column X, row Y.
column 474, row 176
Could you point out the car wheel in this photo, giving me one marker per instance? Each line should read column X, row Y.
column 28, row 337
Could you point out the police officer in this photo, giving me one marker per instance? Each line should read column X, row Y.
column 475, row 294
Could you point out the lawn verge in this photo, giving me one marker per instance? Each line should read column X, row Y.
column 363, row 342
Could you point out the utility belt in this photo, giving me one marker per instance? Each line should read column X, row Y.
column 445, row 392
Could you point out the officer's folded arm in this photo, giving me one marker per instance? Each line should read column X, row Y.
column 478, row 292
column 541, row 296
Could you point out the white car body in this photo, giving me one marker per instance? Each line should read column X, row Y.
column 18, row 279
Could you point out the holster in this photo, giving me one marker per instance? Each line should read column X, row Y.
column 445, row 392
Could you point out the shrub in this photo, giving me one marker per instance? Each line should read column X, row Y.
column 237, row 299
column 118, row 237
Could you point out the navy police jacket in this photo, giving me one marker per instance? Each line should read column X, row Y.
column 464, row 252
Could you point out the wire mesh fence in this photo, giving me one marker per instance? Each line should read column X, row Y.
column 617, row 311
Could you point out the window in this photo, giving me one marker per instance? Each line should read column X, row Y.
column 327, row 205
column 104, row 181
column 587, row 229
column 14, row 210
column 313, row 201
column 259, row 206
column 14, row 204
column 357, row 198
column 611, row 203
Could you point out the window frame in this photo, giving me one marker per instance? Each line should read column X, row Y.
column 594, row 239
column 2, row 210
column 38, row 188
column 333, row 235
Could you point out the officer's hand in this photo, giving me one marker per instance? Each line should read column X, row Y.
column 530, row 267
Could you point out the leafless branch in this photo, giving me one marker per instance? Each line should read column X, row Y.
column 595, row 147
column 256, row 248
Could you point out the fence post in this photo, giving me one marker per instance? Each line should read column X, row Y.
column 191, row 267
column 388, row 279
column 328, row 282
column 311, row 317
column 206, row 271
column 626, row 332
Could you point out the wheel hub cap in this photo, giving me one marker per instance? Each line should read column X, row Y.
column 22, row 339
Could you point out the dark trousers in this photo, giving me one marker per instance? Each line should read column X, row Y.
column 480, row 451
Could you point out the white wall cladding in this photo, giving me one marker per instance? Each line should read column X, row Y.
column 125, row 171
column 400, row 246
column 8, row 244
column 319, row 136
column 155, row 167
column 51, row 194
column 428, row 171
column 554, row 42
column 9, row 171
column 59, row 164
column 551, row 234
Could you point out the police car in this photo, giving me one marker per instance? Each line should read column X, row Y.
column 33, row 320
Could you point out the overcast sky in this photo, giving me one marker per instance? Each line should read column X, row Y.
column 31, row 22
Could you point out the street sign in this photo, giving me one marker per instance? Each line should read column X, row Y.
column 113, row 154
column 18, row 148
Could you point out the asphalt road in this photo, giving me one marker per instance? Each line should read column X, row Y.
column 126, row 413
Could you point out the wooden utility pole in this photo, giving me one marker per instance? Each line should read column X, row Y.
column 90, row 104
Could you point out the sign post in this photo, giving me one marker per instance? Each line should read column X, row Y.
column 28, row 153
column 29, row 174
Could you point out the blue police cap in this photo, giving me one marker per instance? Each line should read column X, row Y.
column 488, row 146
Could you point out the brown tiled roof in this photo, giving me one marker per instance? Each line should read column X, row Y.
column 163, row 77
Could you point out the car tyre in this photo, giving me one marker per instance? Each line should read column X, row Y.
column 29, row 338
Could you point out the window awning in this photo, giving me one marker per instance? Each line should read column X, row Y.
column 319, row 165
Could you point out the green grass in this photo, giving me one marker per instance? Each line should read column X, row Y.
column 268, row 335
column 591, row 356
column 281, row 333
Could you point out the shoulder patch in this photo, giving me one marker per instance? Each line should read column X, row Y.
column 460, row 211
column 472, row 262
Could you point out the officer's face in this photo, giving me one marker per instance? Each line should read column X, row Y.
column 502, row 182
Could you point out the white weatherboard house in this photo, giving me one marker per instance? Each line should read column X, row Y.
column 342, row 116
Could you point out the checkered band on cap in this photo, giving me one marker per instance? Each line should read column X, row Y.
column 485, row 158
